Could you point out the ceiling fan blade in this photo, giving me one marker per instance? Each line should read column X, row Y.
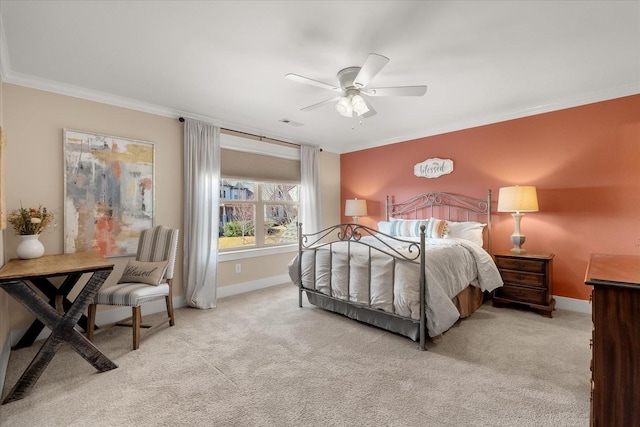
column 319, row 104
column 371, row 67
column 369, row 113
column 308, row 81
column 397, row 91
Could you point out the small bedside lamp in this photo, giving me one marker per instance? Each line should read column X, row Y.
column 355, row 208
column 518, row 199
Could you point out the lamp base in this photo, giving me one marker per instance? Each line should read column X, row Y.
column 518, row 241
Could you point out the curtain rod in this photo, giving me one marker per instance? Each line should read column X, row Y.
column 261, row 138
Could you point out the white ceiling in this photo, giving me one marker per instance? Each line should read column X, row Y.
column 224, row 62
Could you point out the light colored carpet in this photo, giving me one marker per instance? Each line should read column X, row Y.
column 259, row 360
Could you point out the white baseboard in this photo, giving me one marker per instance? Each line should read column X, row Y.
column 241, row 288
column 109, row 317
column 573, row 304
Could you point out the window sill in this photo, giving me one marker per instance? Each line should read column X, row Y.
column 256, row 253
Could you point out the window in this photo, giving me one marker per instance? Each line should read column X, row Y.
column 257, row 214
column 259, row 193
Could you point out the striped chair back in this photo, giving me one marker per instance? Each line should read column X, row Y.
column 159, row 243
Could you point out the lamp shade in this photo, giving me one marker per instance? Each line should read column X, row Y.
column 358, row 105
column 344, row 107
column 519, row 198
column 355, row 207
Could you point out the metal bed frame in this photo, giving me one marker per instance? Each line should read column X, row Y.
column 353, row 233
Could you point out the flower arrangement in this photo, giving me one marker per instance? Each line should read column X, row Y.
column 27, row 221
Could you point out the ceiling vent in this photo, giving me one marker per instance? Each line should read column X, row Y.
column 291, row 122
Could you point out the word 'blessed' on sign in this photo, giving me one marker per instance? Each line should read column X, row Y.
column 433, row 168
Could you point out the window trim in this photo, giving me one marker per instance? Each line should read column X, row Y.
column 255, row 146
column 232, row 254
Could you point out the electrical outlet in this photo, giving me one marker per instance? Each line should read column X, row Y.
column 238, row 268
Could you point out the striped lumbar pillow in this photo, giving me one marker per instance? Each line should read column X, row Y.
column 408, row 228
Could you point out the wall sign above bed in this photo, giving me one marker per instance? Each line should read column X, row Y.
column 433, row 168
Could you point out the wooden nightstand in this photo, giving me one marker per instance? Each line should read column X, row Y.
column 527, row 280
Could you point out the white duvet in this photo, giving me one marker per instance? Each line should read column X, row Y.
column 450, row 266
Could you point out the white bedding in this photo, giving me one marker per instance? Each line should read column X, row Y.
column 450, row 266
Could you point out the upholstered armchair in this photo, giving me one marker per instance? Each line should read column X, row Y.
column 147, row 278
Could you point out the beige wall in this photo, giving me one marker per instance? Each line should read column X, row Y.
column 34, row 121
column 330, row 193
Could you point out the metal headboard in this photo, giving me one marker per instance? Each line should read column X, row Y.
column 449, row 206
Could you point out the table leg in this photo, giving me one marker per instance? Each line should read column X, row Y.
column 62, row 330
column 34, row 370
column 55, row 295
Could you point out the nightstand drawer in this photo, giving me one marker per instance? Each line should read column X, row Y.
column 520, row 264
column 519, row 278
column 530, row 295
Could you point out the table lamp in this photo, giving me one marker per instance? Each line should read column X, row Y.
column 518, row 199
column 355, row 208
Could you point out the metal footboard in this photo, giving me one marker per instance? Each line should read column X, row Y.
column 352, row 235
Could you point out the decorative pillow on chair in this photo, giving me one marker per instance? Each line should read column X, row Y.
column 150, row 273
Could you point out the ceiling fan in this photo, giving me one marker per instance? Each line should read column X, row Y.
column 353, row 84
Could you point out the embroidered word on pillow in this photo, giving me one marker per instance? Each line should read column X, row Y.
column 143, row 272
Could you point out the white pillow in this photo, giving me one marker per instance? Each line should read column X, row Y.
column 470, row 230
column 384, row 227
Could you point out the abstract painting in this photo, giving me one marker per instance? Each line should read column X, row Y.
column 108, row 192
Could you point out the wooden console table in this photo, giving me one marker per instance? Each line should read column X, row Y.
column 14, row 278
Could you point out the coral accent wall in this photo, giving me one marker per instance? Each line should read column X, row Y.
column 584, row 161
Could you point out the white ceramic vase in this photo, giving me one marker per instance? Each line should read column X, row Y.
column 29, row 247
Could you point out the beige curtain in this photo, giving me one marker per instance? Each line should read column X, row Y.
column 201, row 212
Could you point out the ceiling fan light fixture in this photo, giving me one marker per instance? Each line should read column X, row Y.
column 344, row 107
column 358, row 105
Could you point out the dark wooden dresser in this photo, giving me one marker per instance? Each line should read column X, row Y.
column 527, row 280
column 615, row 364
